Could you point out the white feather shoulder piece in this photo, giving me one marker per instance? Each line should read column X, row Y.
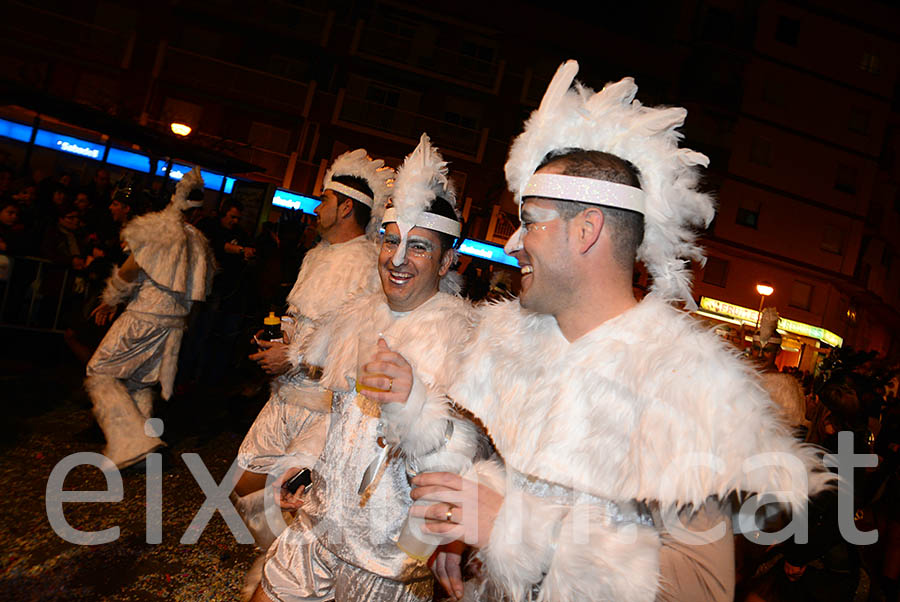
column 172, row 253
column 332, row 274
column 627, row 411
column 427, row 337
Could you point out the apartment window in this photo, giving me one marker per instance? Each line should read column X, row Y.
column 845, row 179
column 870, row 62
column 460, row 120
column 715, row 272
column 478, row 51
column 833, row 239
column 269, row 137
column 748, row 214
column 773, row 93
column 787, row 31
column 761, row 151
column 801, row 295
column 382, row 96
column 859, row 121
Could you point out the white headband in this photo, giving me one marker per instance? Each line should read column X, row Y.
column 585, row 190
column 350, row 192
column 428, row 220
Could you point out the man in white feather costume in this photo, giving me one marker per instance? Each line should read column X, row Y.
column 170, row 266
column 291, row 427
column 615, row 419
column 342, row 545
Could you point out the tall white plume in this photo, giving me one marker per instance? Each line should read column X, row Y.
column 613, row 121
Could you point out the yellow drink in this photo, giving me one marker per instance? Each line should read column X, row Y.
column 360, row 388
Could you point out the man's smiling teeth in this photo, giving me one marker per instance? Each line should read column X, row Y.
column 526, row 269
column 400, row 277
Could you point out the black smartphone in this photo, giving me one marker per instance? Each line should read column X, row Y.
column 301, row 479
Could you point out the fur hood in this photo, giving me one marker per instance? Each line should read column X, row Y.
column 426, row 336
column 174, row 254
column 331, row 274
column 628, row 410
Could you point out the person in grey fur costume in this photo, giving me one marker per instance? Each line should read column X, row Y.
column 170, row 267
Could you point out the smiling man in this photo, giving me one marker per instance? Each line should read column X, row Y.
column 622, row 425
column 342, row 545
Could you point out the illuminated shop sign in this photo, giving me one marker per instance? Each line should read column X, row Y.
column 16, row 131
column 68, row 144
column 750, row 316
column 483, row 250
column 211, row 180
column 129, row 160
column 292, row 200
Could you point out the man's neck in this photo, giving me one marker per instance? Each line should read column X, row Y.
column 343, row 235
column 595, row 305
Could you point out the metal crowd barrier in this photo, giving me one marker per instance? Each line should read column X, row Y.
column 23, row 286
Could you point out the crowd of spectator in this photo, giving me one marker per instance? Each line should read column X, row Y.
column 59, row 241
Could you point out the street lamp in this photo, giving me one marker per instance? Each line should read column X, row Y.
column 764, row 289
column 180, row 129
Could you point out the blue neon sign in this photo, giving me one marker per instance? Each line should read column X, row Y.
column 483, row 250
column 211, row 180
column 16, row 131
column 68, row 144
column 292, row 200
column 128, row 159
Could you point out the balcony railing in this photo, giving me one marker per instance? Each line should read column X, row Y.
column 47, row 32
column 357, row 112
column 401, row 51
column 236, row 82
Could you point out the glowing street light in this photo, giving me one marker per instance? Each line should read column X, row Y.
column 180, row 129
column 764, row 289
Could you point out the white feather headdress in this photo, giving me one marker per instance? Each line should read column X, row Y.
column 379, row 177
column 422, row 178
column 188, row 182
column 613, row 121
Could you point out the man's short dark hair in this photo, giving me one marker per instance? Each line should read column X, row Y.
column 229, row 204
column 362, row 213
column 627, row 226
column 441, row 206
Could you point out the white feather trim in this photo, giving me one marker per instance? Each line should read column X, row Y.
column 427, row 337
column 612, row 121
column 575, row 553
column 330, row 276
column 174, row 254
column 648, row 391
column 188, row 182
column 421, row 178
column 117, row 290
column 357, row 163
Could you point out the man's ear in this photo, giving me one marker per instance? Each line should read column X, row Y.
column 588, row 226
column 345, row 208
column 446, row 262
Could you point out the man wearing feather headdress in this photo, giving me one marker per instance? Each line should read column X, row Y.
column 622, row 426
column 343, row 545
column 290, row 429
column 170, row 266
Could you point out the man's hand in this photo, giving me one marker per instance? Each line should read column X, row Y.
column 274, row 358
column 466, row 509
column 390, row 374
column 103, row 313
column 283, row 497
column 447, row 567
